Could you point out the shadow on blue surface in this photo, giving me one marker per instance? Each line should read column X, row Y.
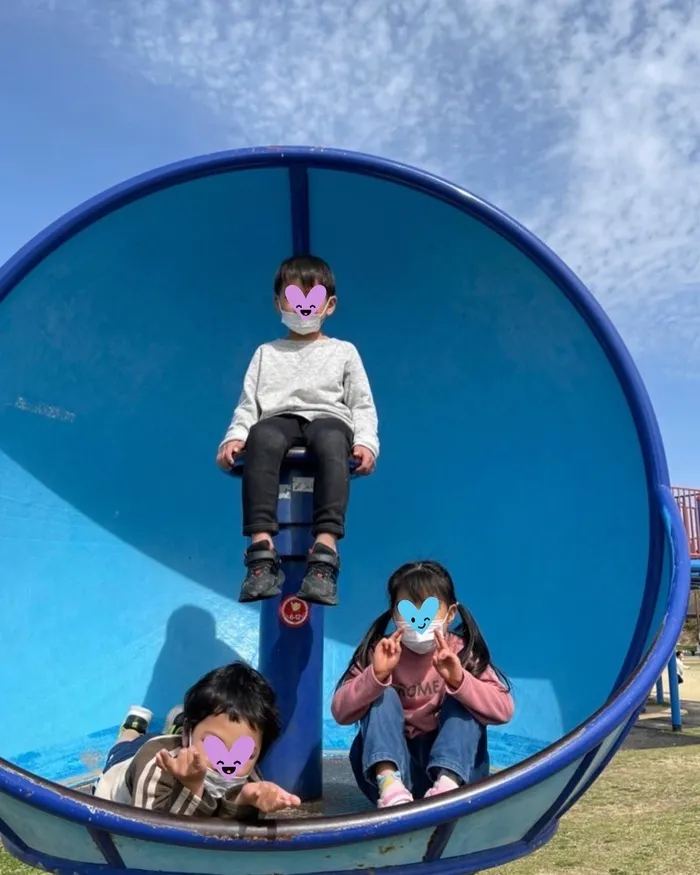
column 519, row 447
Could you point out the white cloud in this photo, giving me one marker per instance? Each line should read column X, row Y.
column 582, row 119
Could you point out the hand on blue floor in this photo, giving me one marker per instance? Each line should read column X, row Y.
column 365, row 458
column 267, row 797
column 447, row 663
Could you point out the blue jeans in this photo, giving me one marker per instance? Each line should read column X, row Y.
column 124, row 750
column 458, row 744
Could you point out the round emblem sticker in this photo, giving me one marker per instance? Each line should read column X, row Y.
column 294, row 611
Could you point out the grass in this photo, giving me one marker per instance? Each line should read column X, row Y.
column 641, row 818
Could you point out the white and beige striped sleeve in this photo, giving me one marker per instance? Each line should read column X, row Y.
column 160, row 791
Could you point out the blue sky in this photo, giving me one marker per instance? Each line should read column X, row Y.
column 582, row 121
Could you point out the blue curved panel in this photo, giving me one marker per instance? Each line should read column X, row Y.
column 47, row 834
column 112, row 401
column 124, row 351
column 534, row 492
column 518, row 447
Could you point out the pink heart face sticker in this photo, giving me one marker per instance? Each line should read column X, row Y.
column 229, row 762
column 305, row 305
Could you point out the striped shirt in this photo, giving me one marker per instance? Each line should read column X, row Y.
column 140, row 782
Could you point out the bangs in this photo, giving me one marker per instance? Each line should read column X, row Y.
column 420, row 584
column 306, row 277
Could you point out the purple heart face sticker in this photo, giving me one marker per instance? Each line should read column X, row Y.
column 305, row 305
column 229, row 763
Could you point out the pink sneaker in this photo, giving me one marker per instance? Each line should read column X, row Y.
column 442, row 785
column 397, row 794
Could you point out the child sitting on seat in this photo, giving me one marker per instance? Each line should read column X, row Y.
column 205, row 765
column 423, row 695
column 311, row 389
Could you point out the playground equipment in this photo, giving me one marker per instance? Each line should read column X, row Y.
column 291, row 638
column 688, row 501
column 512, row 421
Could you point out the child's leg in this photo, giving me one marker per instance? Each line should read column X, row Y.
column 379, row 755
column 459, row 754
column 132, row 734
column 330, row 441
column 266, row 447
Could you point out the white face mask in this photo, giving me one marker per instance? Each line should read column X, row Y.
column 296, row 323
column 218, row 785
column 420, row 642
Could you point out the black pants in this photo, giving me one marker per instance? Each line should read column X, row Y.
column 328, row 439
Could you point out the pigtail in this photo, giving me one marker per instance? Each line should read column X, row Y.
column 362, row 655
column 475, row 656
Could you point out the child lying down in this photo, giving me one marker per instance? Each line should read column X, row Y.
column 204, row 764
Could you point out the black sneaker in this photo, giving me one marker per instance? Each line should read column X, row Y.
column 264, row 578
column 138, row 719
column 174, row 721
column 320, row 584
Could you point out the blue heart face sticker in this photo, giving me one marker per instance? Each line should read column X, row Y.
column 419, row 618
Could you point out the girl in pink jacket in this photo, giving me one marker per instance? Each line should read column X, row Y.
column 423, row 694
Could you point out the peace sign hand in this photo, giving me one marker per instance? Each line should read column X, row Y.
column 447, row 663
column 187, row 767
column 386, row 656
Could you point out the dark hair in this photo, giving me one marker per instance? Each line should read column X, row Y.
column 241, row 693
column 420, row 580
column 305, row 271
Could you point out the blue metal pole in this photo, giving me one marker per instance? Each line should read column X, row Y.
column 676, row 717
column 660, row 690
column 291, row 645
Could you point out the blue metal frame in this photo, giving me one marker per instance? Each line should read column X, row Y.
column 292, row 658
column 674, row 694
column 329, row 831
column 470, row 864
column 299, row 194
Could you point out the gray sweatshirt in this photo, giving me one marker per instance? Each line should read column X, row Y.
column 312, row 378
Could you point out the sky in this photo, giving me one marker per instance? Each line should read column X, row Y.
column 581, row 120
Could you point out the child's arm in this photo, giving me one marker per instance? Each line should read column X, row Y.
column 265, row 797
column 486, row 697
column 351, row 702
column 158, row 789
column 358, row 397
column 247, row 412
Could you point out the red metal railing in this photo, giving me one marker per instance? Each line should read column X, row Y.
column 688, row 501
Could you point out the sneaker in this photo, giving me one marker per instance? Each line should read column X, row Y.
column 174, row 721
column 320, row 585
column 264, row 578
column 397, row 794
column 138, row 719
column 442, row 785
